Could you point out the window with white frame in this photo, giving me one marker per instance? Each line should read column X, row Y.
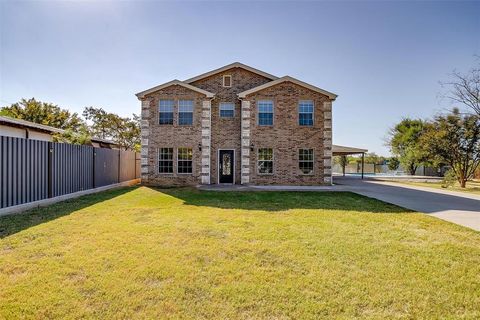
column 184, row 160
column 265, row 112
column 227, row 81
column 305, row 113
column 265, row 161
column 305, row 160
column 227, row 109
column 185, row 112
column 165, row 109
column 165, row 160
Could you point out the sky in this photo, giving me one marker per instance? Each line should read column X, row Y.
column 383, row 59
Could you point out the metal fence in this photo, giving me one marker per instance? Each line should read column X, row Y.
column 32, row 170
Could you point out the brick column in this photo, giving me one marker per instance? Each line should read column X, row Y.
column 206, row 140
column 327, row 142
column 245, row 137
column 145, row 115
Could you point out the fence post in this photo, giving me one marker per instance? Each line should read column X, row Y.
column 119, row 155
column 93, row 167
column 50, row 169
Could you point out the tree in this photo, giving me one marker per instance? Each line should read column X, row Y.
column 43, row 113
column 464, row 89
column 404, row 143
column 343, row 161
column 125, row 132
column 454, row 139
column 393, row 163
column 82, row 137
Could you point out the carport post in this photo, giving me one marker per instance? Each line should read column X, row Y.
column 363, row 162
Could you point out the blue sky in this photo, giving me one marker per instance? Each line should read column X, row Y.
column 383, row 59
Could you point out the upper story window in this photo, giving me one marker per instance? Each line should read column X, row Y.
column 165, row 160
column 305, row 113
column 184, row 160
column 227, row 81
column 265, row 161
column 265, row 112
column 227, row 110
column 185, row 112
column 165, row 112
column 305, row 160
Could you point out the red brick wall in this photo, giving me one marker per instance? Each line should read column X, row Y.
column 173, row 136
column 226, row 132
column 286, row 136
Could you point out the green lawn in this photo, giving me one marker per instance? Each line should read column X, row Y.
column 181, row 253
column 472, row 186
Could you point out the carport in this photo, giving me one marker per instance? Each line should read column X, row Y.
column 347, row 151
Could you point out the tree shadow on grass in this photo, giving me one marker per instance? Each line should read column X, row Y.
column 14, row 223
column 281, row 200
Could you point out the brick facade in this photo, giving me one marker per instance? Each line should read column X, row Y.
column 211, row 133
column 286, row 136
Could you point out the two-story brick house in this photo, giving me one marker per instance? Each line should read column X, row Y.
column 236, row 124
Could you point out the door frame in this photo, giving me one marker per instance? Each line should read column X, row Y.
column 218, row 165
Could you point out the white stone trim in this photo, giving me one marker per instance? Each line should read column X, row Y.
column 206, row 141
column 245, row 143
column 327, row 142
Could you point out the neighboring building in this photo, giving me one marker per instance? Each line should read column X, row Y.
column 18, row 128
column 236, row 124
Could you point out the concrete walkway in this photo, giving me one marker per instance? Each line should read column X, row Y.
column 457, row 207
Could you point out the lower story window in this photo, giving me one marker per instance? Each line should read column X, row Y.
column 265, row 161
column 165, row 160
column 305, row 160
column 184, row 160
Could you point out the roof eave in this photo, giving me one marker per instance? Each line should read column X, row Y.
column 142, row 94
column 244, row 94
column 230, row 66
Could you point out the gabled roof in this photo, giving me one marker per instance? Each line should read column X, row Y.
column 173, row 83
column 243, row 94
column 230, row 66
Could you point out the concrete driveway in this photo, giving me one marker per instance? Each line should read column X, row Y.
column 457, row 207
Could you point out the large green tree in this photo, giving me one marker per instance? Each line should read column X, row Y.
column 454, row 139
column 44, row 113
column 404, row 143
column 125, row 132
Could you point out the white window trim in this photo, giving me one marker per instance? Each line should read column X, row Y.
column 313, row 113
column 184, row 173
column 220, row 109
column 223, row 80
column 273, row 163
column 258, row 113
column 178, row 112
column 158, row 113
column 158, row 161
column 313, row 162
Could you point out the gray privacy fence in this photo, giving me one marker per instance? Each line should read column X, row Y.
column 32, row 170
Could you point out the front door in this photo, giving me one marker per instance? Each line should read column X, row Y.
column 226, row 166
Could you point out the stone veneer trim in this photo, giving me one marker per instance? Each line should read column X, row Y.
column 206, row 141
column 327, row 142
column 245, row 144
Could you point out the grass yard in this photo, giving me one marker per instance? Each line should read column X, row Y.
column 182, row 253
column 472, row 186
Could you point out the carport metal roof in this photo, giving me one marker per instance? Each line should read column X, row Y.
column 343, row 151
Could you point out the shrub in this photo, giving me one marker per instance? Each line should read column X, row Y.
column 449, row 179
